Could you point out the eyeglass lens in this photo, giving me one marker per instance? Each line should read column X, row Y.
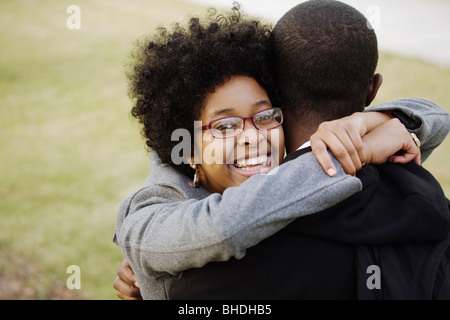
column 230, row 126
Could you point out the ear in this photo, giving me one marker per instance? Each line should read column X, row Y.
column 372, row 91
column 190, row 161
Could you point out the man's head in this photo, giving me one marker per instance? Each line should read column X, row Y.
column 325, row 59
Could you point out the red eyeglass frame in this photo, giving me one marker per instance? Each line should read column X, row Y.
column 208, row 126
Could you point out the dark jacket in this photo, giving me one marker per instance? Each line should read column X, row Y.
column 389, row 241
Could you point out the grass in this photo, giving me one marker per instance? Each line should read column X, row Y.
column 407, row 78
column 69, row 151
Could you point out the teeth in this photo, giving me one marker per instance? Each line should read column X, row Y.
column 261, row 160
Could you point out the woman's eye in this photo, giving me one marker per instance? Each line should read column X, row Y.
column 264, row 117
column 224, row 127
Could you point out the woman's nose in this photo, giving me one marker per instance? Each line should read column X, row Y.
column 250, row 135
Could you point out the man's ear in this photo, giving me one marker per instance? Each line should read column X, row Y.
column 372, row 91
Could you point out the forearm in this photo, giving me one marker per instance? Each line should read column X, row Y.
column 173, row 237
column 372, row 120
column 427, row 120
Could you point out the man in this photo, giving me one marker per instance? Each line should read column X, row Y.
column 325, row 61
column 311, row 258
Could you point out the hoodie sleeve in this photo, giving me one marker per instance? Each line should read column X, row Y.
column 426, row 119
column 162, row 235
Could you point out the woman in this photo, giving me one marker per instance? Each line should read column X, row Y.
column 217, row 73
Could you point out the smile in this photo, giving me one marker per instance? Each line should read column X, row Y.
column 253, row 165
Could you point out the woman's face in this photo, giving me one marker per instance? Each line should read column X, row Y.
column 229, row 162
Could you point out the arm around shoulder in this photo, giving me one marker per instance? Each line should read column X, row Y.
column 427, row 120
column 161, row 230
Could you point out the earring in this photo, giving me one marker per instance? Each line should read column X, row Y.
column 195, row 182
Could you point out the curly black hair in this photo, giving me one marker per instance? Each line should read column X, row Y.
column 171, row 72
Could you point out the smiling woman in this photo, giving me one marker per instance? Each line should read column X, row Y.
column 187, row 74
column 216, row 72
column 244, row 148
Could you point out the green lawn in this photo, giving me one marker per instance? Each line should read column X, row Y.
column 407, row 78
column 69, row 150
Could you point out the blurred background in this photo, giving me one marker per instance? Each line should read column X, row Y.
column 70, row 151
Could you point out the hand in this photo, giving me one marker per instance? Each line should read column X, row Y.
column 126, row 283
column 363, row 137
column 343, row 138
column 391, row 142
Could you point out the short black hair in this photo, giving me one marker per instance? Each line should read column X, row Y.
column 171, row 72
column 325, row 58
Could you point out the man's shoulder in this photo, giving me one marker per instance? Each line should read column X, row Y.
column 409, row 176
column 408, row 182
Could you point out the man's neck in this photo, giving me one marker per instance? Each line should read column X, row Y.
column 291, row 146
column 298, row 131
column 296, row 136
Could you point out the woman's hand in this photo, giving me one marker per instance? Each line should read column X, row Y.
column 354, row 141
column 391, row 142
column 126, row 283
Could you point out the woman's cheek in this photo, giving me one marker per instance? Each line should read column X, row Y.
column 217, row 151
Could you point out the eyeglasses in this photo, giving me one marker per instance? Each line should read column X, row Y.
column 232, row 126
